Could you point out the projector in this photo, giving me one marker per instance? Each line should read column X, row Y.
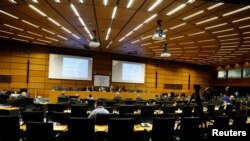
column 94, row 44
column 165, row 54
column 158, row 36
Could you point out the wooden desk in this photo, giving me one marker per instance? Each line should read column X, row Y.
column 9, row 110
column 96, row 94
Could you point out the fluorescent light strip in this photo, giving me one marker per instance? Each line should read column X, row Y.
column 236, row 11
column 191, row 51
column 207, row 20
column 248, row 32
column 37, row 10
column 138, row 27
column 226, row 49
column 28, row 37
column 246, row 42
column 228, row 46
column 130, row 3
column 8, row 14
column 114, row 12
column 146, row 37
column 146, row 44
column 244, row 49
column 197, row 33
column 190, row 47
column 13, row 1
column 74, row 10
column 35, row 1
column 31, row 24
column 157, row 49
column 109, row 44
column 76, row 36
column 108, row 32
column 105, row 2
column 53, row 21
column 177, row 26
column 81, row 21
column 176, row 9
column 193, row 15
column 229, row 35
column 208, row 40
column 150, row 18
column 20, row 39
column 4, row 37
column 214, row 26
column 178, row 37
column 153, row 47
column 128, row 34
column 53, row 39
column 153, row 6
column 135, row 41
column 48, row 31
column 245, row 26
column 90, row 36
column 214, row 6
column 185, row 43
column 43, row 40
column 241, row 51
column 233, row 39
column 11, row 26
column 230, row 43
column 225, row 30
column 6, row 32
column 242, row 19
column 38, row 43
column 211, row 46
column 34, row 33
column 81, row 1
column 65, row 29
column 160, row 41
column 176, row 48
column 57, row 1
column 236, row 54
column 64, row 38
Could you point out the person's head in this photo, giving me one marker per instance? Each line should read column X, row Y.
column 156, row 95
column 99, row 103
column 90, row 95
column 24, row 94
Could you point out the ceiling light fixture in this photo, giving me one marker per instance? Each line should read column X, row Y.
column 177, row 26
column 20, row 39
column 24, row 36
column 57, row 1
column 37, row 10
column 81, row 1
column 159, row 34
column 13, row 1
column 109, row 44
column 48, row 31
column 38, row 43
column 53, row 39
column 242, row 19
column 105, row 2
column 197, row 33
column 236, row 11
column 65, row 29
column 214, row 26
column 193, row 15
column 130, row 3
column 34, row 33
column 35, row 1
column 8, row 14
column 207, row 20
column 11, row 26
column 76, row 36
column 153, row 6
column 165, row 53
column 225, row 30
column 4, row 37
column 53, row 21
column 6, row 32
column 244, row 26
column 31, row 24
column 64, row 38
column 214, row 6
column 43, row 40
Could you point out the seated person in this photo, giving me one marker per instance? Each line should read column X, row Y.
column 90, row 97
column 75, row 99
column 157, row 98
column 98, row 110
column 117, row 96
column 62, row 95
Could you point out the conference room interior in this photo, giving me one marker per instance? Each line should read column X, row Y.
column 179, row 67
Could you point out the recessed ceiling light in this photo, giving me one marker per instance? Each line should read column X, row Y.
column 109, row 44
column 105, row 2
column 176, row 9
column 178, row 37
column 14, row 27
column 135, row 41
column 208, row 40
column 65, row 29
column 145, row 44
column 146, row 37
column 242, row 19
column 24, row 36
column 229, row 35
column 76, row 36
column 225, row 30
column 31, row 24
column 153, row 6
column 207, row 20
column 230, row 43
column 53, row 39
column 20, row 39
column 193, row 15
column 245, row 26
column 150, row 18
column 37, row 10
column 4, row 37
column 53, row 21
column 13, row 1
column 214, row 6
column 7, row 32
column 41, row 40
column 48, row 31
column 177, row 26
column 130, row 3
column 233, row 39
column 228, row 46
column 8, row 14
column 64, row 38
column 236, row 11
column 197, row 33
column 34, row 33
column 57, row 1
column 38, row 43
column 214, row 26
column 81, row 1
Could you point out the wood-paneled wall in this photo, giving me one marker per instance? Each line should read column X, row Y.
column 14, row 57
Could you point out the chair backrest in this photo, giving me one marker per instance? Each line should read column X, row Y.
column 39, row 131
column 147, row 110
column 103, row 119
column 221, row 122
column 239, row 122
column 136, row 117
column 9, row 128
column 35, row 116
column 126, row 109
column 210, row 108
column 55, row 107
column 189, row 128
column 80, row 129
column 60, row 117
column 121, row 129
column 168, row 109
column 163, row 129
column 78, row 110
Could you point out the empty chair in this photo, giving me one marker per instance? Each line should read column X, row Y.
column 29, row 103
column 103, row 119
column 54, row 107
column 121, row 129
column 163, row 129
column 239, row 122
column 126, row 109
column 60, row 117
column 147, row 113
column 189, row 129
column 136, row 117
column 129, row 101
column 78, row 110
column 168, row 109
column 9, row 129
column 39, row 131
column 81, row 129
column 35, row 116
column 110, row 103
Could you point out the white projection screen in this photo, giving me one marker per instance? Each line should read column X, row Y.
column 128, row 72
column 70, row 67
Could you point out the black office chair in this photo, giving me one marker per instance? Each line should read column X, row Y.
column 79, row 110
column 136, row 117
column 54, row 108
column 147, row 113
column 81, row 129
column 168, row 109
column 60, row 117
column 121, row 129
column 35, row 116
column 39, row 131
column 126, row 109
column 239, row 122
column 9, row 128
column 221, row 122
column 103, row 119
column 189, row 129
column 163, row 129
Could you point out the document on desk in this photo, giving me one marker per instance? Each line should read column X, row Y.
column 145, row 124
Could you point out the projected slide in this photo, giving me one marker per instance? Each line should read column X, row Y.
column 128, row 72
column 70, row 67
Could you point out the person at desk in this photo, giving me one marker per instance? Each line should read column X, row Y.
column 98, row 110
column 117, row 96
column 90, row 97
